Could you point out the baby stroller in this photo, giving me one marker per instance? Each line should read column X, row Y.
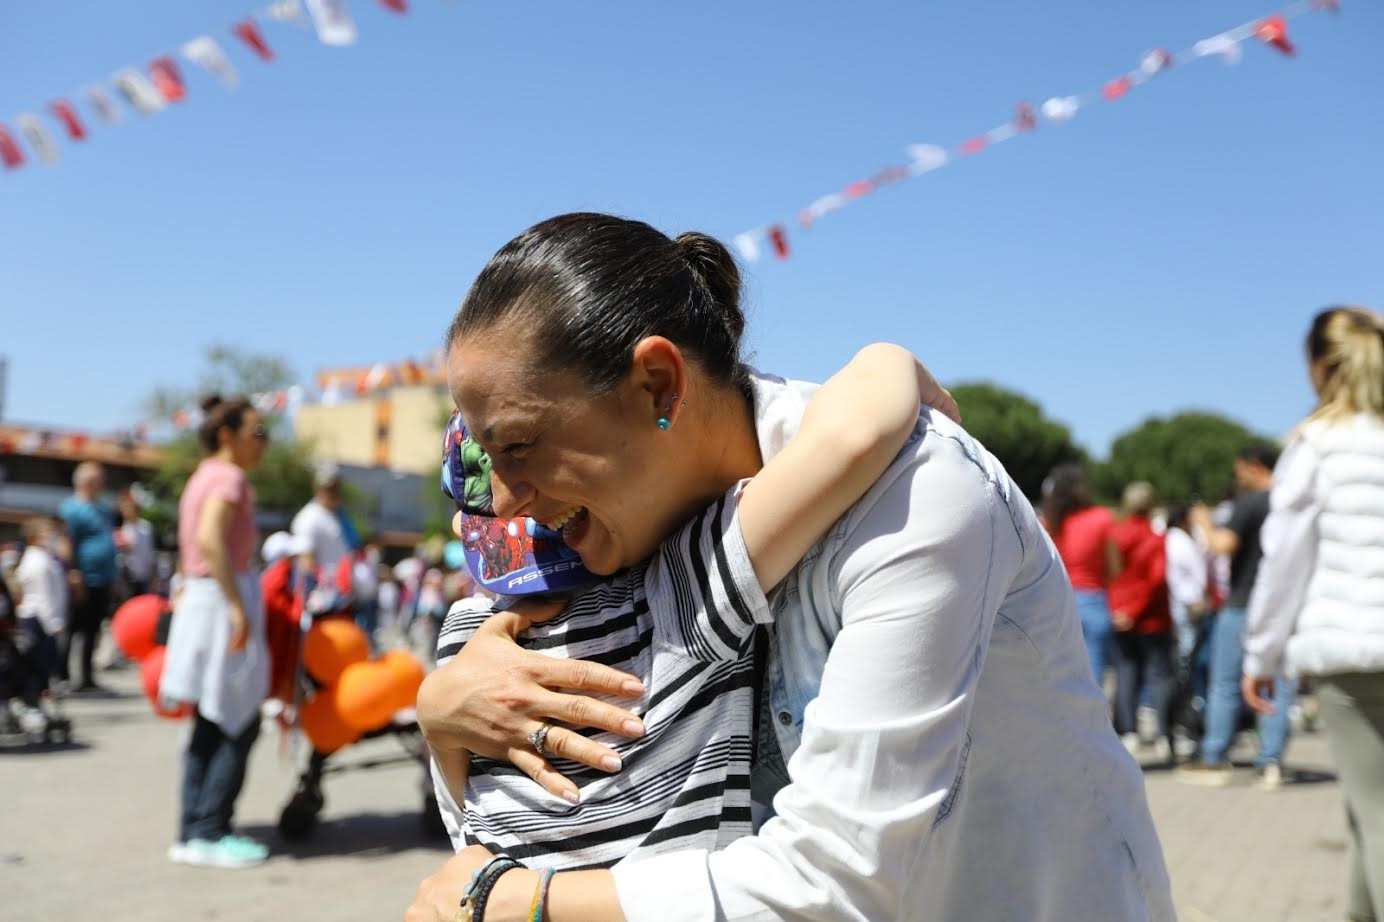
column 327, row 638
column 23, row 682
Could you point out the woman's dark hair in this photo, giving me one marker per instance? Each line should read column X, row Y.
column 218, row 414
column 589, row 287
column 1064, row 493
column 1177, row 516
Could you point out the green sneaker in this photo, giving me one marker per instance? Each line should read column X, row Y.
column 228, row 852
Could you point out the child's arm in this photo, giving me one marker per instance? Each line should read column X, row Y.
column 853, row 428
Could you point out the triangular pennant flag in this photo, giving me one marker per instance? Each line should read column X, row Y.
column 66, row 113
column 398, row 6
column 1060, row 109
column 858, row 189
column 164, row 72
column 287, row 11
column 333, row 22
column 1117, row 88
column 138, row 91
column 975, row 145
column 779, row 238
column 10, row 154
column 1155, row 62
column 37, row 136
column 249, row 33
column 206, row 53
column 104, row 107
column 927, row 157
column 1274, row 31
column 747, row 246
column 1024, row 118
column 1224, row 45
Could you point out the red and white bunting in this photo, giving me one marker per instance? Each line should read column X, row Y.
column 1271, row 30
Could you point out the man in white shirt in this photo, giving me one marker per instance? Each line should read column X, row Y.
column 319, row 522
column 136, row 541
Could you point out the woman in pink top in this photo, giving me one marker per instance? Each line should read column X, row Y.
column 217, row 657
column 1082, row 533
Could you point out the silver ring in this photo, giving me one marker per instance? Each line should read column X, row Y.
column 539, row 738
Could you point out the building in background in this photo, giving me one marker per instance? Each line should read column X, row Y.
column 394, row 423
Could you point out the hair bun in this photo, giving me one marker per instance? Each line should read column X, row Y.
column 712, row 262
column 210, row 402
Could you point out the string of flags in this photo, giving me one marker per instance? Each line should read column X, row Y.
column 1270, row 30
column 149, row 90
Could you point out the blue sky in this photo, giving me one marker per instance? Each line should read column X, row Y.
column 1159, row 253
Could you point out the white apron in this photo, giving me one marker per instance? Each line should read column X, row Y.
column 228, row 688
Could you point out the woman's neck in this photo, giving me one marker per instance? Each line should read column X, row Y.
column 725, row 443
column 225, row 455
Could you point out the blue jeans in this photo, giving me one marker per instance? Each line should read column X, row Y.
column 213, row 773
column 1224, row 700
column 1096, row 627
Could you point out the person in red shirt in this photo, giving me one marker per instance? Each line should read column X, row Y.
column 1143, row 621
column 1082, row 535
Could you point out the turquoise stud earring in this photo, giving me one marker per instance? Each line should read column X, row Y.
column 665, row 421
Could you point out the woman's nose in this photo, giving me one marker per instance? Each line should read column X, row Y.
column 509, row 497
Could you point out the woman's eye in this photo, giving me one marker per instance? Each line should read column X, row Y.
column 515, row 452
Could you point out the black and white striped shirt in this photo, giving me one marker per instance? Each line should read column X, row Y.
column 683, row 623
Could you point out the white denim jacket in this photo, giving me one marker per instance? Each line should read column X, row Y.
column 951, row 757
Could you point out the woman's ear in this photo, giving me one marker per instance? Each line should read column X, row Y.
column 658, row 376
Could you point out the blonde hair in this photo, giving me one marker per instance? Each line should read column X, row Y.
column 1348, row 342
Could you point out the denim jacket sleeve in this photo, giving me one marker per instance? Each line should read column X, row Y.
column 918, row 576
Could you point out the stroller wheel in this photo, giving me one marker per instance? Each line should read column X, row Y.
column 299, row 816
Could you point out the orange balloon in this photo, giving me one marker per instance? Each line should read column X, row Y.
column 321, row 720
column 331, row 645
column 408, row 676
column 366, row 696
column 136, row 623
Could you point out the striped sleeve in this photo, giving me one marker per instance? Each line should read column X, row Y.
column 461, row 622
column 701, row 586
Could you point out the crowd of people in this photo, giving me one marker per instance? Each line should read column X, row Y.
column 794, row 750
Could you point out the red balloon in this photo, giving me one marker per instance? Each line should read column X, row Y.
column 136, row 623
column 150, row 672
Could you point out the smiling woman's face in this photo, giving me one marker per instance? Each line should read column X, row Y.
column 587, row 465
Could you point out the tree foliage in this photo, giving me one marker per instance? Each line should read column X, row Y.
column 1184, row 456
column 1015, row 430
column 284, row 480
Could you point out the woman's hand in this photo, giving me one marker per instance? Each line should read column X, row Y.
column 493, row 694
column 440, row 895
column 240, row 626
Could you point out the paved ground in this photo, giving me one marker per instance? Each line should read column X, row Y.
column 83, row 832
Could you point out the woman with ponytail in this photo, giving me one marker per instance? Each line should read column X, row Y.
column 1318, row 603
column 217, row 658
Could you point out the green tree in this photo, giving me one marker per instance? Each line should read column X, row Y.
column 1183, row 456
column 284, row 480
column 1015, row 430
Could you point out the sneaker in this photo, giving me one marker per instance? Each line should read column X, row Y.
column 33, row 721
column 178, row 852
column 1132, row 743
column 1270, row 776
column 1162, row 751
column 1216, row 775
column 228, row 852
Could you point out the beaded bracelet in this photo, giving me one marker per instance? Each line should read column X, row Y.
column 540, row 896
column 472, row 908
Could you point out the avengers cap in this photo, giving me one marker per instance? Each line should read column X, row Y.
column 507, row 556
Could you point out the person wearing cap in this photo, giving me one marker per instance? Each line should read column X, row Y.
column 322, row 523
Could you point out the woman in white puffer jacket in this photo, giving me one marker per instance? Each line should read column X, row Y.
column 1318, row 603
